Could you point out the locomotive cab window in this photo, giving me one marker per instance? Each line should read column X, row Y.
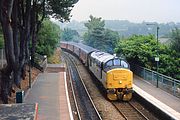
column 124, row 64
column 108, row 64
column 116, row 62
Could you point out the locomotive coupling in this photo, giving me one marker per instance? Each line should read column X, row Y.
column 111, row 91
column 127, row 91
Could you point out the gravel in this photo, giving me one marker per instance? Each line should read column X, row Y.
column 106, row 109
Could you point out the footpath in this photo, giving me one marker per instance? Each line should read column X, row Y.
column 49, row 91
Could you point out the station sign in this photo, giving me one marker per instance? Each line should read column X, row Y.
column 157, row 59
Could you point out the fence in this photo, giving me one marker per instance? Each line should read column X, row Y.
column 166, row 83
column 40, row 62
column 39, row 59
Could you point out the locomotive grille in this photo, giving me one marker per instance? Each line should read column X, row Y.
column 120, row 76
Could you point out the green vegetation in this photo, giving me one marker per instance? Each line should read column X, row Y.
column 21, row 21
column 175, row 40
column 70, row 35
column 142, row 50
column 136, row 44
column 99, row 37
column 48, row 37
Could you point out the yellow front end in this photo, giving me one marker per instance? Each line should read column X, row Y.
column 119, row 84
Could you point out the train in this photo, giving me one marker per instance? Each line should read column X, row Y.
column 114, row 73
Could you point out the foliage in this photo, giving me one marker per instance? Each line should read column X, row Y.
column 175, row 40
column 94, row 36
column 48, row 38
column 60, row 9
column 142, row 50
column 21, row 21
column 99, row 37
column 70, row 35
column 111, row 38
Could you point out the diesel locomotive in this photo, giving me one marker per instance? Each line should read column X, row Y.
column 111, row 71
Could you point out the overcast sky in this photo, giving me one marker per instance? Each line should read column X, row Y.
column 132, row 10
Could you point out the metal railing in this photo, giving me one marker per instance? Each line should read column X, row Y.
column 166, row 83
column 40, row 61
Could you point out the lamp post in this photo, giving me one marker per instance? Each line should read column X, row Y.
column 29, row 71
column 29, row 59
column 157, row 54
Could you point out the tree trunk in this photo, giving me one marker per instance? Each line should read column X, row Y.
column 16, row 48
column 5, row 15
column 5, row 84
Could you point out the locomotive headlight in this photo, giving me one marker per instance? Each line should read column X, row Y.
column 120, row 82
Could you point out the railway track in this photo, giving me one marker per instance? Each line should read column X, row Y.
column 83, row 102
column 129, row 111
column 132, row 110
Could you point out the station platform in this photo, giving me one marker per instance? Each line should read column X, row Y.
column 20, row 111
column 163, row 100
column 49, row 91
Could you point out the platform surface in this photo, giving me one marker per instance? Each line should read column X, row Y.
column 49, row 91
column 18, row 111
column 158, row 97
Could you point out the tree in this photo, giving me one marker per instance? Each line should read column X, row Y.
column 142, row 50
column 20, row 21
column 138, row 49
column 175, row 40
column 99, row 37
column 70, row 35
column 48, row 37
column 95, row 35
column 111, row 38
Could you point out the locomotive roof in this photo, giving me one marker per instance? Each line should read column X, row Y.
column 102, row 56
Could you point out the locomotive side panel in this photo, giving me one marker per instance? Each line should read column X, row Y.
column 95, row 70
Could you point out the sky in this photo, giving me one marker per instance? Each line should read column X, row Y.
column 161, row 11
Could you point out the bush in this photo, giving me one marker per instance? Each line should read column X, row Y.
column 142, row 50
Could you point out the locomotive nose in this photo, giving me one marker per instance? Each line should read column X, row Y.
column 119, row 78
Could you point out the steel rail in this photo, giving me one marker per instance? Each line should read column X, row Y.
column 120, row 111
column 138, row 111
column 133, row 107
column 89, row 97
column 72, row 88
column 99, row 116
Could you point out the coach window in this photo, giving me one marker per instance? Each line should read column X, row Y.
column 116, row 62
